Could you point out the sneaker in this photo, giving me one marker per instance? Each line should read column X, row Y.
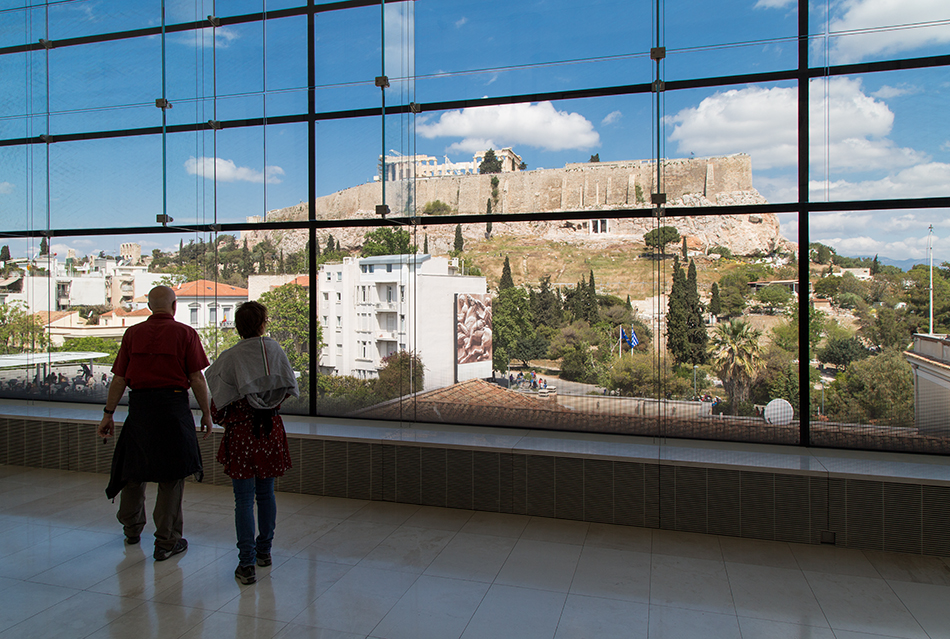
column 133, row 540
column 245, row 574
column 161, row 554
column 263, row 559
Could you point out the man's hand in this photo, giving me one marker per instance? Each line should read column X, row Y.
column 106, row 427
column 206, row 426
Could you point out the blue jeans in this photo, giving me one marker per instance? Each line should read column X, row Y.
column 244, row 492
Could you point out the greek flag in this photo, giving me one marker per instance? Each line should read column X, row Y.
column 630, row 342
column 633, row 341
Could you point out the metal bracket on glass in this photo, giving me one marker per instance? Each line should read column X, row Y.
column 658, row 86
column 215, row 124
column 162, row 103
column 658, row 198
column 47, row 44
column 657, row 53
column 215, row 21
column 382, row 81
column 216, row 228
column 415, row 108
column 47, row 138
column 163, row 219
column 382, row 210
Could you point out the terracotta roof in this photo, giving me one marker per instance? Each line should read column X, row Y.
column 121, row 312
column 300, row 280
column 48, row 317
column 473, row 402
column 207, row 288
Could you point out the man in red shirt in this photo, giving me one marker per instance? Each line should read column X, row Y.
column 159, row 360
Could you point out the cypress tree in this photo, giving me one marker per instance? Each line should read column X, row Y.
column 685, row 251
column 592, row 313
column 506, row 279
column 696, row 328
column 715, row 304
column 425, row 244
column 677, row 342
column 459, row 241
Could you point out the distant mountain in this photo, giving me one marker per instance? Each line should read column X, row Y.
column 904, row 265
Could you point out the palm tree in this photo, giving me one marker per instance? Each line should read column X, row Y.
column 737, row 357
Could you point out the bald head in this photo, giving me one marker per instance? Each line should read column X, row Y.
column 161, row 299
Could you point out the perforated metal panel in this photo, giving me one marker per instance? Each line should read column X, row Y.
column 792, row 508
column 935, row 517
column 599, row 491
column 540, row 486
column 359, row 472
column 290, row 481
column 723, row 502
column 311, row 466
column 334, row 468
column 486, row 473
column 757, row 505
column 690, row 505
column 434, row 475
column 569, row 488
column 865, row 514
column 408, row 474
column 459, row 479
column 903, row 511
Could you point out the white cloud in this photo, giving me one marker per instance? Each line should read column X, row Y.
column 882, row 27
column 538, row 125
column 611, row 117
column 6, row 187
column 222, row 37
column 924, row 180
column 822, row 223
column 228, row 171
column 460, row 22
column 763, row 123
column 945, row 146
column 886, row 91
column 899, row 249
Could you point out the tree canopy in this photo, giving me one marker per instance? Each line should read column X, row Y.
column 490, row 163
column 658, row 238
column 387, row 241
column 289, row 324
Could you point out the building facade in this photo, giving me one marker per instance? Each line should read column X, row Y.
column 373, row 307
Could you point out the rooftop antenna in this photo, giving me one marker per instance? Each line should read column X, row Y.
column 930, row 243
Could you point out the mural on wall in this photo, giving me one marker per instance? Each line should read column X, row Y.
column 473, row 328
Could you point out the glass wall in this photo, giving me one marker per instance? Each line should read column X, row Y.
column 583, row 218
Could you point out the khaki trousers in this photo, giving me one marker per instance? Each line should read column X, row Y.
column 167, row 515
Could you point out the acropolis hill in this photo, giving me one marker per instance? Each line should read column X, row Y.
column 692, row 182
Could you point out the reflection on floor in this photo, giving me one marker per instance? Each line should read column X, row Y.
column 347, row 569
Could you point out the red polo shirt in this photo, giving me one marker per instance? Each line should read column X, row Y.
column 159, row 353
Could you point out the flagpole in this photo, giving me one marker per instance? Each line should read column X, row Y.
column 930, row 238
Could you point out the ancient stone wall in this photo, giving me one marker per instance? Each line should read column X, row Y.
column 692, row 182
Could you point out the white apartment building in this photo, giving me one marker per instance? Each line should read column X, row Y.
column 204, row 303
column 372, row 307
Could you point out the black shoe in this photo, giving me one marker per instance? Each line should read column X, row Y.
column 245, row 574
column 162, row 554
column 263, row 559
column 133, row 540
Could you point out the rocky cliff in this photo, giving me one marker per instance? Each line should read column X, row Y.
column 690, row 182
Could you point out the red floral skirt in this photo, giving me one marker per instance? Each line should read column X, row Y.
column 243, row 455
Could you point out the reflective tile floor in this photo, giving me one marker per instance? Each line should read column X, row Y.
column 345, row 569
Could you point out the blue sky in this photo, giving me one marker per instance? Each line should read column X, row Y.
column 875, row 135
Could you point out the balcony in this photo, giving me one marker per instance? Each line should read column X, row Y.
column 386, row 307
column 386, row 336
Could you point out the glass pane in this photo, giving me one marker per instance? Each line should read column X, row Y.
column 862, row 31
column 108, row 74
column 879, row 136
column 757, row 125
column 876, row 378
column 565, row 155
column 105, row 183
column 496, row 48
column 23, row 187
column 730, row 37
column 93, row 17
